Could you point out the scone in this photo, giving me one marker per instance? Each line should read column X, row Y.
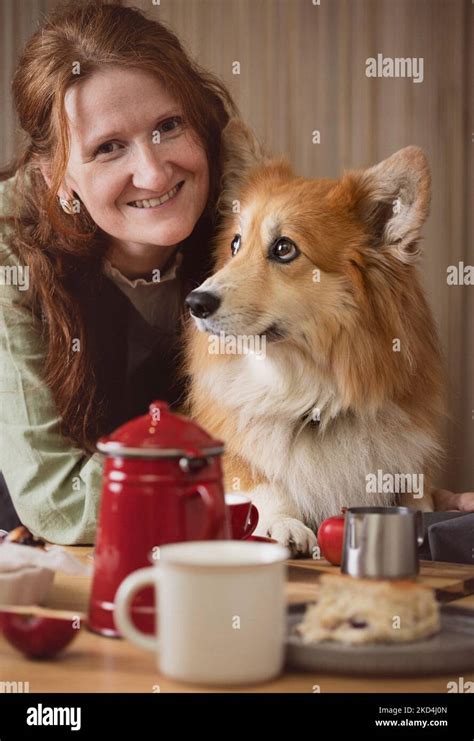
column 357, row 611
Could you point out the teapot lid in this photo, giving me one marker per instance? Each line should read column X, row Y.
column 160, row 434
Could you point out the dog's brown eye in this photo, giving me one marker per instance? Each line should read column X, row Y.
column 235, row 244
column 284, row 250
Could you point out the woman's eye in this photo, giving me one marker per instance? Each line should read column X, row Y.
column 284, row 250
column 235, row 244
column 176, row 120
column 103, row 148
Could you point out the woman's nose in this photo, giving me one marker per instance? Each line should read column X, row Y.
column 151, row 168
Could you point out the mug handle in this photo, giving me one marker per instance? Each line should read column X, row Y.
column 127, row 590
column 212, row 519
column 252, row 522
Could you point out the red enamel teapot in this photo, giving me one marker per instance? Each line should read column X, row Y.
column 162, row 484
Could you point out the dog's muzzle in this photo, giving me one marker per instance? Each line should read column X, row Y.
column 202, row 303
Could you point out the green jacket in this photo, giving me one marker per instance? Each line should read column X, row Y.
column 55, row 488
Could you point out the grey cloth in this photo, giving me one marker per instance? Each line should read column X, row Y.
column 449, row 536
column 8, row 516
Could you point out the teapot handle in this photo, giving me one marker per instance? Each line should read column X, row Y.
column 212, row 518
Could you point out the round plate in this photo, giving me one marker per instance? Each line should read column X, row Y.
column 452, row 649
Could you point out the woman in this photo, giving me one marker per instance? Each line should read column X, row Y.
column 107, row 217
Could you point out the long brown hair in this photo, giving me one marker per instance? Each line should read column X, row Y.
column 57, row 246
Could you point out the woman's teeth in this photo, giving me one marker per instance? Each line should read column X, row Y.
column 156, row 201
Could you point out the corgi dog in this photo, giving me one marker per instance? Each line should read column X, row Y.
column 342, row 402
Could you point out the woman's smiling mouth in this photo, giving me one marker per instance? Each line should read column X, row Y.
column 156, row 202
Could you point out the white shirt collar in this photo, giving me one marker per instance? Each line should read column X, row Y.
column 121, row 279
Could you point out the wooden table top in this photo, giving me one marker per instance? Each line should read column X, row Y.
column 93, row 663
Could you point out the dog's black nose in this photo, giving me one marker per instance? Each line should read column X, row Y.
column 202, row 303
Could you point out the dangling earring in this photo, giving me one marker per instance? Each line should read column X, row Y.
column 66, row 205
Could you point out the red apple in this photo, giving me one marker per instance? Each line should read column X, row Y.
column 38, row 636
column 331, row 537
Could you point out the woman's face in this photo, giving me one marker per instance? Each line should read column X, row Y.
column 129, row 144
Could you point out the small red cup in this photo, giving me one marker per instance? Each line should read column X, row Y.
column 243, row 515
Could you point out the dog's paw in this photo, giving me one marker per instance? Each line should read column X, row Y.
column 298, row 538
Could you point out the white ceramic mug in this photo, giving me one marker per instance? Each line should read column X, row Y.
column 221, row 610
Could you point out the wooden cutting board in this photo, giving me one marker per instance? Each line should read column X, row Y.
column 454, row 583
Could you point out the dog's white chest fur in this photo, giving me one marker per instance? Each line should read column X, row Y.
column 323, row 467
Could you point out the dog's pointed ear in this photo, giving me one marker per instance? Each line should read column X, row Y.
column 241, row 152
column 392, row 199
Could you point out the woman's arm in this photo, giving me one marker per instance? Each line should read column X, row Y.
column 55, row 487
column 446, row 501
